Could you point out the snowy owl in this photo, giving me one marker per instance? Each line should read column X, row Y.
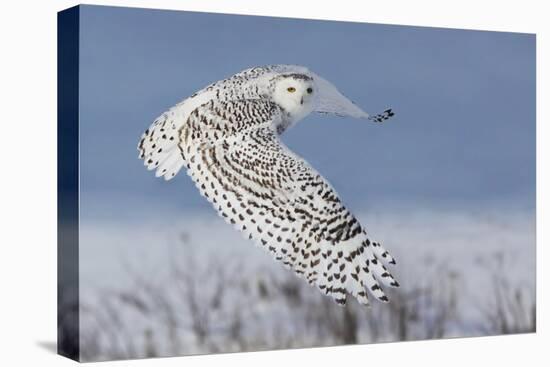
column 227, row 137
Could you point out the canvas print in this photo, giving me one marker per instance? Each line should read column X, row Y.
column 239, row 183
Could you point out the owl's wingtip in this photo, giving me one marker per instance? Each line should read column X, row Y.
column 382, row 117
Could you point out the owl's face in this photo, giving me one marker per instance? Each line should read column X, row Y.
column 296, row 93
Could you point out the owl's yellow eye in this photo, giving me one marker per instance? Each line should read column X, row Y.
column 291, row 89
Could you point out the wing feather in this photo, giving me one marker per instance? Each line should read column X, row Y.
column 277, row 199
column 158, row 144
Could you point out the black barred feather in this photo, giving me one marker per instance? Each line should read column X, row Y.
column 381, row 117
column 276, row 199
column 228, row 140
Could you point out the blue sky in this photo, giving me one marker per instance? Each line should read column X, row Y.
column 463, row 134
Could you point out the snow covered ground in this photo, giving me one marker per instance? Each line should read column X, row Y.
column 193, row 285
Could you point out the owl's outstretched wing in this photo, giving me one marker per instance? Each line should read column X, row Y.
column 158, row 145
column 277, row 199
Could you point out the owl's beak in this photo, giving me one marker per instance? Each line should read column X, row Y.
column 302, row 101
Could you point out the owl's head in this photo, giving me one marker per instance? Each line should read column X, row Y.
column 296, row 94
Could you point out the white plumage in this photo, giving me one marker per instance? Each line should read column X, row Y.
column 227, row 136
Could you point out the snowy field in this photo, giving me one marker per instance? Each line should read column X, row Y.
column 193, row 285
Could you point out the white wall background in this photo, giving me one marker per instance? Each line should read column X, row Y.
column 28, row 205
